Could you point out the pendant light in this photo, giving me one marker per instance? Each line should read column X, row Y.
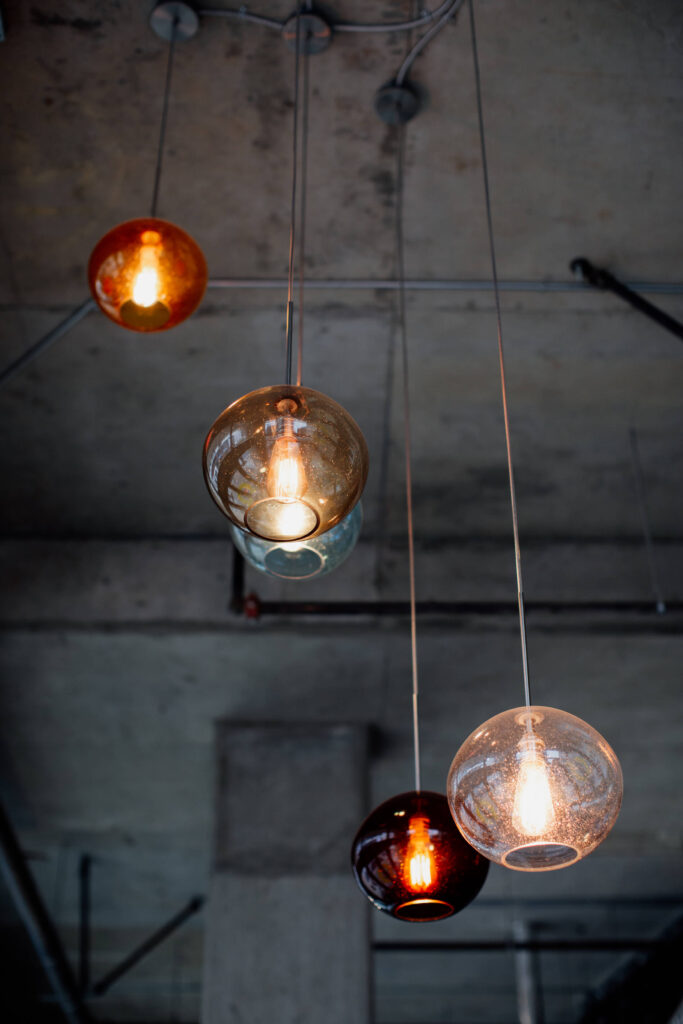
column 316, row 556
column 286, row 463
column 533, row 788
column 148, row 274
column 408, row 857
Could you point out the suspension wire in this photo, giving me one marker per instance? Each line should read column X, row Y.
column 292, row 212
column 503, row 387
column 400, row 260
column 164, row 117
column 450, row 11
column 660, row 603
column 241, row 14
column 302, row 215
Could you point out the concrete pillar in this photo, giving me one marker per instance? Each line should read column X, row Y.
column 287, row 933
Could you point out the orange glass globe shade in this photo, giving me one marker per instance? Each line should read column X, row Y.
column 411, row 862
column 285, row 463
column 535, row 789
column 147, row 274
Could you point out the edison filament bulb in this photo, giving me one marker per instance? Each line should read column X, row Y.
column 411, row 862
column 147, row 274
column 285, row 463
column 301, row 559
column 535, row 789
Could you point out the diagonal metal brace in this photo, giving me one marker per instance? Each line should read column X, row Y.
column 604, row 281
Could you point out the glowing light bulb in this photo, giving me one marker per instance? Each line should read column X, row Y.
column 146, row 283
column 419, row 873
column 533, row 812
column 286, row 475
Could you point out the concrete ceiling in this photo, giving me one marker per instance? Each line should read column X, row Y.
column 119, row 651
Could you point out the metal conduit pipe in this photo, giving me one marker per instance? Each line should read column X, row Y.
column 39, row 925
column 420, row 285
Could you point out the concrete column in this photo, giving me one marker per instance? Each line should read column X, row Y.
column 287, row 933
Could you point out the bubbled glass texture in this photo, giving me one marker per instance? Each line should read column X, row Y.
column 305, row 559
column 399, row 832
column 535, row 788
column 147, row 274
column 285, row 463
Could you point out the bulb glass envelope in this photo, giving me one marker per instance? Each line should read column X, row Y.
column 411, row 862
column 147, row 274
column 301, row 559
column 285, row 463
column 535, row 788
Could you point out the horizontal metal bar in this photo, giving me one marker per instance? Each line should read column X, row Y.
column 420, row 285
column 482, row 608
column 511, row 945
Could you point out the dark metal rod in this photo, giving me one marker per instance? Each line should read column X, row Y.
column 31, row 353
column 164, row 119
column 436, row 285
column 603, row 280
column 84, row 922
column 38, row 923
column 511, row 945
column 237, row 599
column 148, row 945
column 484, row 608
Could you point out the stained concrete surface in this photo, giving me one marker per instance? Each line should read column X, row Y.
column 119, row 652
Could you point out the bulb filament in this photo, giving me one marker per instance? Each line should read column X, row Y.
column 146, row 283
column 420, row 870
column 534, row 813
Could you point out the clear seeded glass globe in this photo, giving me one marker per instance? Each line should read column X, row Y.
column 411, row 862
column 301, row 559
column 147, row 274
column 535, row 789
column 285, row 463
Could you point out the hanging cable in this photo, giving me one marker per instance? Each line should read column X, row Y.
column 451, row 11
column 292, row 212
column 164, row 118
column 660, row 603
column 400, row 269
column 302, row 215
column 503, row 387
column 241, row 14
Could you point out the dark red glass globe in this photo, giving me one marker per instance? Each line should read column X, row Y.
column 411, row 861
column 147, row 274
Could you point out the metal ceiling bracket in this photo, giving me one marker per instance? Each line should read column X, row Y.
column 315, row 34
column 601, row 279
column 396, row 104
column 167, row 15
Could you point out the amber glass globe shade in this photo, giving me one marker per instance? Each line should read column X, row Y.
column 410, row 860
column 285, row 463
column 535, row 789
column 147, row 274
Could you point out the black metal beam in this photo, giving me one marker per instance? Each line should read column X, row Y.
column 536, row 945
column 39, row 925
column 456, row 608
column 604, row 281
column 195, row 904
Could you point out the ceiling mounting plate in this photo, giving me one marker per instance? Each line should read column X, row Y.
column 396, row 104
column 315, row 34
column 166, row 15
